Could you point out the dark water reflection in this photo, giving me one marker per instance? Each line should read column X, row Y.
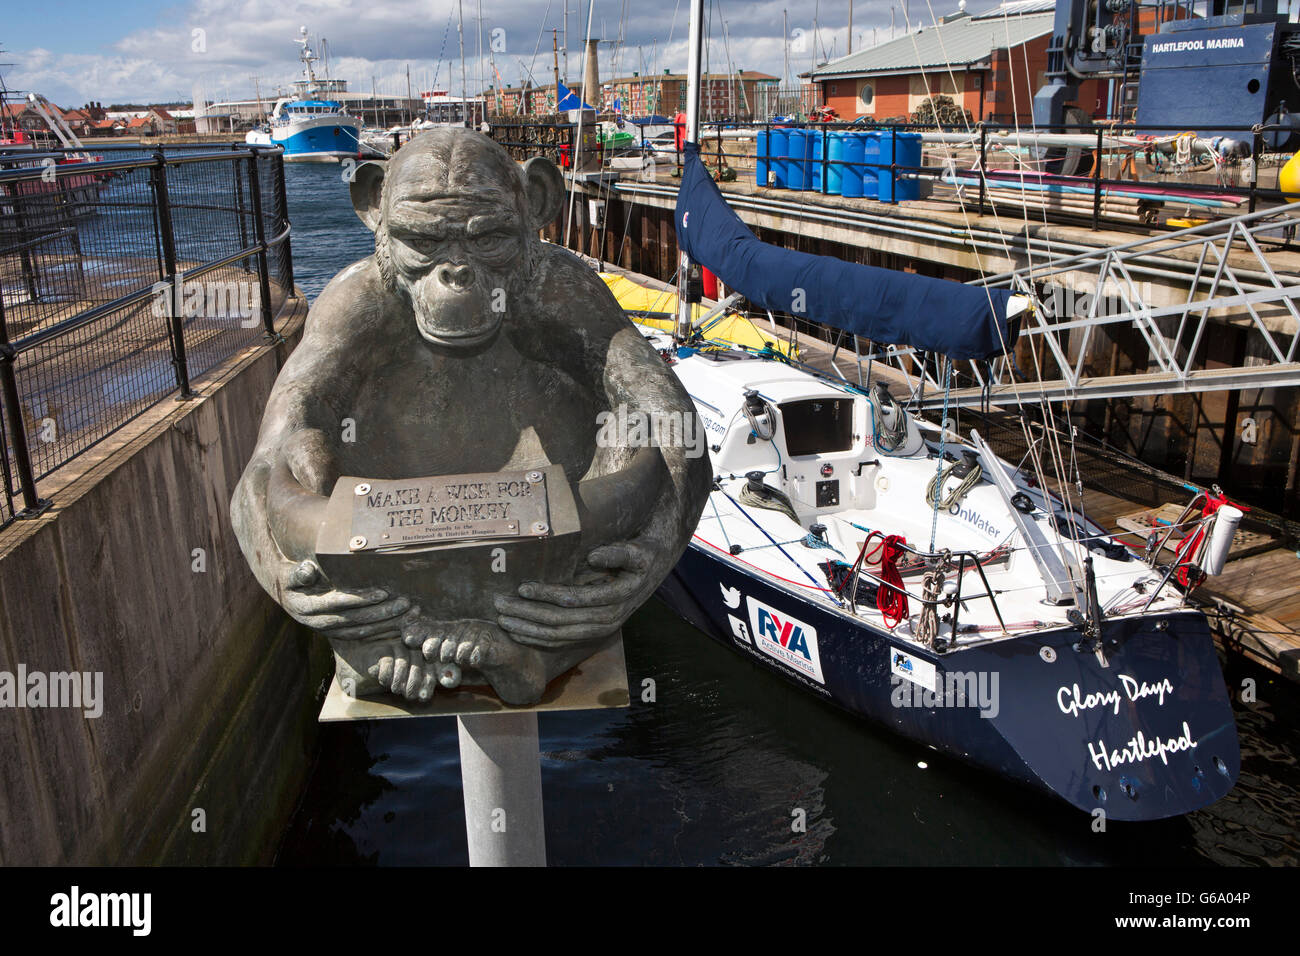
column 714, row 769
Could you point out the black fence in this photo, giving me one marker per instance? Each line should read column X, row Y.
column 126, row 274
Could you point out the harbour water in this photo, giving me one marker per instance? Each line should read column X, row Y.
column 717, row 762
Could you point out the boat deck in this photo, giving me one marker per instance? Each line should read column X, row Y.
column 1253, row 606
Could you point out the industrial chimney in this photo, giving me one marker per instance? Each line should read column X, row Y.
column 591, row 78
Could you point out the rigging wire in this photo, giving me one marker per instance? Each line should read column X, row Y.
column 1039, row 474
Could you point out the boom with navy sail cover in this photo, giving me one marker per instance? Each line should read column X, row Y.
column 933, row 315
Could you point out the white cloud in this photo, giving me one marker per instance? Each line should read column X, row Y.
column 243, row 39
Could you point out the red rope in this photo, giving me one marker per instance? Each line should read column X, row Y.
column 890, row 596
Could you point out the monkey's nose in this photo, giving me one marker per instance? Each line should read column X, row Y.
column 458, row 277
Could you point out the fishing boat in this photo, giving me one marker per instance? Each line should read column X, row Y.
column 906, row 573
column 310, row 125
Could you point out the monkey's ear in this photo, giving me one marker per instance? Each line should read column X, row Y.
column 545, row 189
column 366, row 189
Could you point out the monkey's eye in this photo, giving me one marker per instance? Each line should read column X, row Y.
column 423, row 245
column 492, row 244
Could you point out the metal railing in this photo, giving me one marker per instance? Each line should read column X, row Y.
column 124, row 277
column 960, row 160
column 524, row 140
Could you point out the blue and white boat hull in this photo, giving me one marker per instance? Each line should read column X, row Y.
column 1142, row 729
column 322, row 140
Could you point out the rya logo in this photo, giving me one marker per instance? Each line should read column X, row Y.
column 787, row 633
column 790, row 641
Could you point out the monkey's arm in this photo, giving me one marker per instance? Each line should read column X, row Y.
column 625, row 572
column 276, row 504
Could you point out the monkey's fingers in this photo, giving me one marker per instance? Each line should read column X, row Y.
column 614, row 591
column 306, row 574
column 383, row 671
column 401, row 670
column 332, row 602
column 362, row 631
column 608, row 615
column 352, row 616
column 540, row 635
column 612, row 557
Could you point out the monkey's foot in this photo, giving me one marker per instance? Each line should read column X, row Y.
column 370, row 668
column 473, row 652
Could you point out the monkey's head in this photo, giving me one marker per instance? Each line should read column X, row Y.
column 455, row 222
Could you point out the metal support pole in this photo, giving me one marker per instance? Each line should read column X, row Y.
column 24, row 255
column 32, row 503
column 501, row 774
column 282, row 224
column 1254, row 169
column 259, row 231
column 168, row 240
column 1096, row 185
column 240, row 212
column 984, row 157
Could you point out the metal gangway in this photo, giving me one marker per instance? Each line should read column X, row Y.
column 1218, row 272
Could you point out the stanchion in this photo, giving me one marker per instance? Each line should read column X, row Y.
column 500, row 759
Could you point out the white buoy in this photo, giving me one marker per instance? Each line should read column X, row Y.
column 1226, row 520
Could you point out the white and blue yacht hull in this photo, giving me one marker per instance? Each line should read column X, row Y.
column 1141, row 728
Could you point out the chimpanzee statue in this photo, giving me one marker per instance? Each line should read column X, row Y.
column 466, row 346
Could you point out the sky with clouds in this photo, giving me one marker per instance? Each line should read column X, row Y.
column 117, row 51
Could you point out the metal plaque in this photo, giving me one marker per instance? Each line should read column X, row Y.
column 389, row 513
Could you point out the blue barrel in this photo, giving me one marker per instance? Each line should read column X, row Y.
column 778, row 145
column 906, row 152
column 851, row 180
column 872, row 152
column 797, row 170
column 835, row 163
column 760, row 159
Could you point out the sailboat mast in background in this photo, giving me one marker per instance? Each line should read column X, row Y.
column 689, row 281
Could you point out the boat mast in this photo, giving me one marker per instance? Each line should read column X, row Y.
column 555, row 56
column 460, row 35
column 482, row 83
column 688, row 282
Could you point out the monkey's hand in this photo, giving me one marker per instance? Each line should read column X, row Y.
column 550, row 616
column 348, row 615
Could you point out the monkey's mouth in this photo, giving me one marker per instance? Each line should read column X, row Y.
column 461, row 338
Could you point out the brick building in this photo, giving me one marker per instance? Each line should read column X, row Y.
column 991, row 64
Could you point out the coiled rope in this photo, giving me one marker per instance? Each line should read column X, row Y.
column 891, row 598
column 889, row 438
column 944, row 503
column 927, row 624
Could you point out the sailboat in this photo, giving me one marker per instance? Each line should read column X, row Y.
column 907, row 574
